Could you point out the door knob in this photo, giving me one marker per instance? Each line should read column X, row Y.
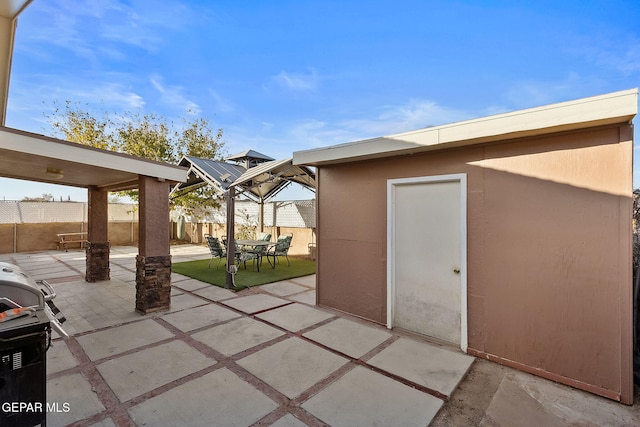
column 456, row 270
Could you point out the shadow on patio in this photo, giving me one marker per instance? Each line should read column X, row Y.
column 263, row 356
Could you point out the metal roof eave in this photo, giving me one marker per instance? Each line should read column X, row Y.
column 273, row 177
column 278, row 169
column 258, row 183
column 252, row 154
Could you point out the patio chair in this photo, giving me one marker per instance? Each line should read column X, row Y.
column 281, row 248
column 236, row 252
column 248, row 255
column 264, row 236
column 257, row 252
column 217, row 251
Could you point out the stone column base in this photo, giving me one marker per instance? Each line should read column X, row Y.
column 153, row 283
column 97, row 262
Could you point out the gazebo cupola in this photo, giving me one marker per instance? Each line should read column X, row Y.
column 249, row 158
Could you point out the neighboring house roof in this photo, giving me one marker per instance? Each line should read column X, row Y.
column 616, row 107
column 33, row 157
column 293, row 213
column 259, row 183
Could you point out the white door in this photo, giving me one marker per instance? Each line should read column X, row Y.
column 427, row 254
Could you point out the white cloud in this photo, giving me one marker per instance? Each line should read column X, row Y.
column 391, row 119
column 173, row 96
column 417, row 114
column 534, row 93
column 113, row 94
column 221, row 104
column 626, row 61
column 297, row 82
column 617, row 51
column 282, row 139
column 85, row 28
column 31, row 103
column 110, row 93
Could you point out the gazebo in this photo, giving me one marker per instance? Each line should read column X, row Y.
column 249, row 173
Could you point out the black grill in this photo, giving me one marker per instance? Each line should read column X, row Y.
column 24, row 341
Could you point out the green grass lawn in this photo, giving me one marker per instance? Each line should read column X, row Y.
column 246, row 278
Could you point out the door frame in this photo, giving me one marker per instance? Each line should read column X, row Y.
column 392, row 184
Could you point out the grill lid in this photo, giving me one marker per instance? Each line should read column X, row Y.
column 19, row 288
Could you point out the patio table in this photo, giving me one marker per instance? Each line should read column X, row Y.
column 255, row 244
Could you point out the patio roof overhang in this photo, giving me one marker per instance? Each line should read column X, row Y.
column 34, row 157
column 611, row 108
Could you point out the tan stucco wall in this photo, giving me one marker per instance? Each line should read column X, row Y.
column 32, row 237
column 549, row 250
column 302, row 237
column 123, row 233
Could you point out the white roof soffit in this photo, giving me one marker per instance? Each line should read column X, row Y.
column 12, row 8
column 33, row 157
column 615, row 107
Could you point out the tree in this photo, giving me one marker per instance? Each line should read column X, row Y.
column 198, row 140
column 46, row 197
column 77, row 125
column 150, row 136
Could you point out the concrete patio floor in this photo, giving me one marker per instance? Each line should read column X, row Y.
column 268, row 356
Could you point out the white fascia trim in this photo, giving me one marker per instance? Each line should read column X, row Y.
column 23, row 142
column 616, row 107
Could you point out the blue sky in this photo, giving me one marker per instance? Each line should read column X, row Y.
column 282, row 76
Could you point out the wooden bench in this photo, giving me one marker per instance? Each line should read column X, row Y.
column 65, row 238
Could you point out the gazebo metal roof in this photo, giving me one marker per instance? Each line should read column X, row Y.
column 268, row 179
column 249, row 154
column 258, row 183
column 203, row 172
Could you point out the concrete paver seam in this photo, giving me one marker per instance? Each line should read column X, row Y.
column 230, row 363
column 66, row 264
column 370, row 354
column 286, row 405
column 360, row 362
column 170, row 385
column 107, row 397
